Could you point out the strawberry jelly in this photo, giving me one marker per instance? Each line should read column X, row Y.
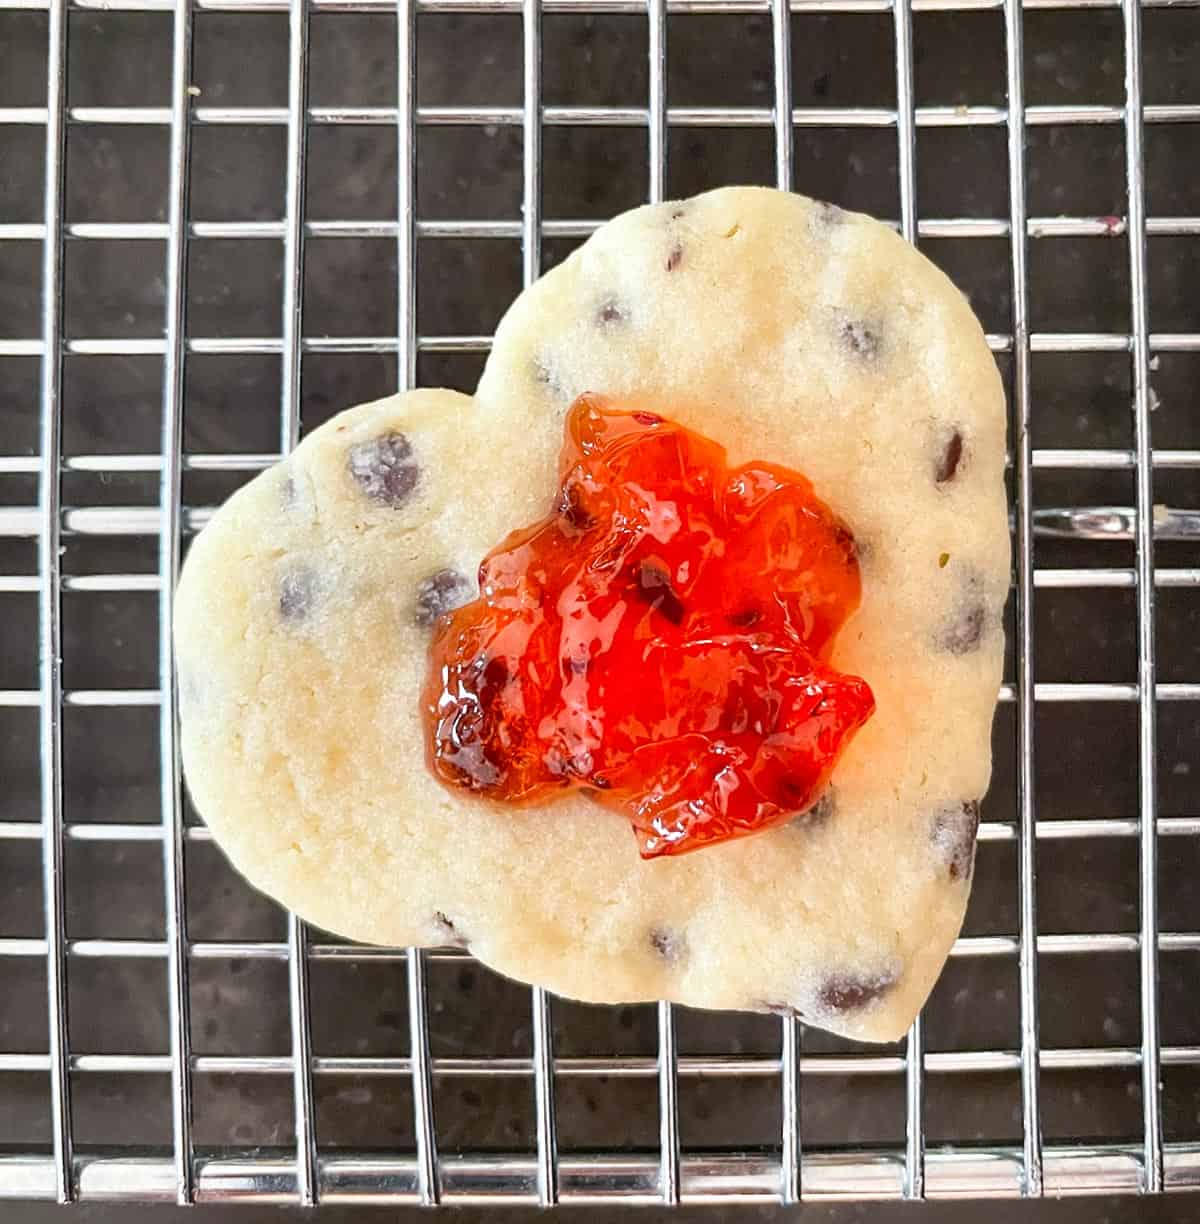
column 661, row 639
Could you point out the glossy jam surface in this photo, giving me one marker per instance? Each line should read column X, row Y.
column 661, row 638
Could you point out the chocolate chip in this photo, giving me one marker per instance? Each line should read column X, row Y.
column 483, row 678
column 674, row 257
column 850, row 992
column 440, row 593
column 953, row 830
column 447, row 932
column 654, row 586
column 384, row 468
column 670, row 945
column 545, row 375
column 566, row 763
column 465, row 731
column 828, row 214
column 496, row 674
column 611, row 314
column 678, row 211
column 470, row 760
column 820, row 813
column 962, row 633
column 949, row 458
column 572, row 509
column 846, row 541
column 295, row 594
column 861, row 339
column 744, row 618
column 793, row 791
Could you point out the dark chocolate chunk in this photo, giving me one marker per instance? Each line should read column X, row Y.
column 571, row 507
column 385, row 468
column 654, row 586
column 846, row 541
column 670, row 945
column 575, row 764
column 674, row 257
column 447, row 932
column 469, row 758
column 792, row 791
column 967, row 617
column 963, row 632
column 295, row 594
column 467, row 731
column 820, row 813
column 861, row 339
column 495, row 673
column 744, row 618
column 440, row 593
column 850, row 991
column 545, row 374
column 954, row 828
column 484, row 678
column 611, row 314
column 949, row 458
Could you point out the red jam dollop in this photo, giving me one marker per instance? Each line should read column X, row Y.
column 661, row 638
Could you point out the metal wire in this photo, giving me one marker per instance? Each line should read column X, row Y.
column 672, row 1174
column 424, row 1129
column 49, row 525
column 1152, row 1154
column 609, row 116
column 1039, row 342
column 790, row 1032
column 598, row 7
column 531, row 269
column 906, row 162
column 668, row 1065
column 1031, row 1147
column 170, row 533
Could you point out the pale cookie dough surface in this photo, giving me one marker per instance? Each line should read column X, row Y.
column 789, row 331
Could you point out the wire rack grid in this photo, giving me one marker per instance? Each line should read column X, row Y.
column 432, row 1169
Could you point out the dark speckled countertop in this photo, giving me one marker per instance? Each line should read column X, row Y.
column 1086, row 768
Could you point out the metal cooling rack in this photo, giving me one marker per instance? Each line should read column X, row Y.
column 790, row 1170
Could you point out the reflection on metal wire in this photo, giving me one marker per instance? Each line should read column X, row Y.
column 1115, row 523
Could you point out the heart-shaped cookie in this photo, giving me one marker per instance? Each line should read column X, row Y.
column 785, row 330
